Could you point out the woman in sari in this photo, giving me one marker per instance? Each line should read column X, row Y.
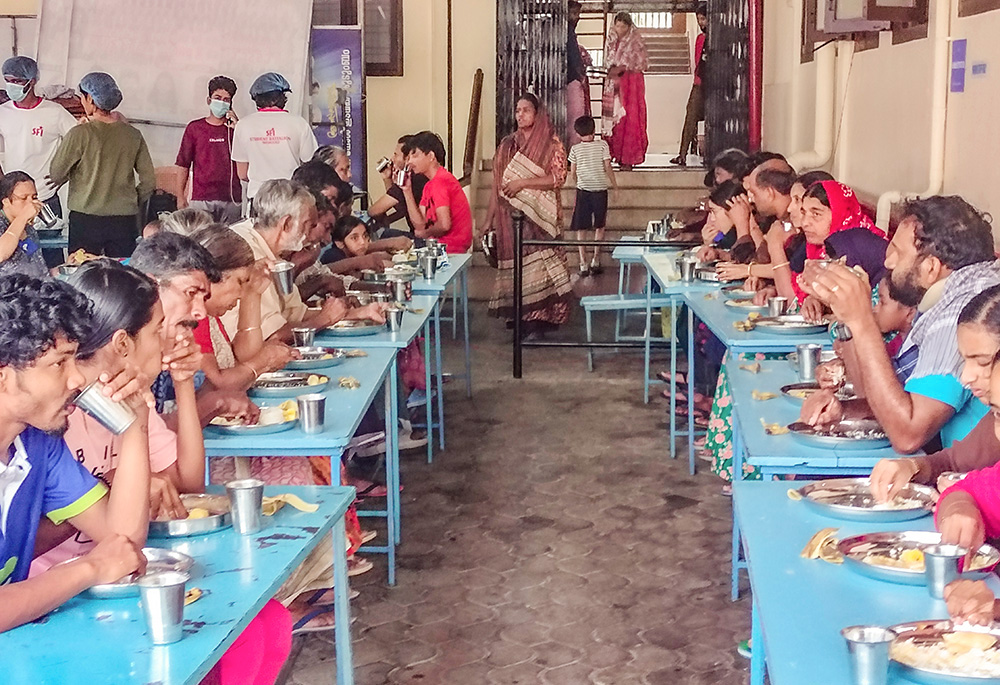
column 624, row 101
column 528, row 170
column 835, row 227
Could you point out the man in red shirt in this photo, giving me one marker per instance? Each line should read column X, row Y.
column 443, row 211
column 696, row 100
column 206, row 146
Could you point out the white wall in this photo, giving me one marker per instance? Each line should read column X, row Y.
column 883, row 140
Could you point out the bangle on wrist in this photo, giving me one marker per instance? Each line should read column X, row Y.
column 778, row 266
column 256, row 374
column 248, row 329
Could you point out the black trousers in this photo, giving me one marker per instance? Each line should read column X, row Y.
column 111, row 236
column 695, row 113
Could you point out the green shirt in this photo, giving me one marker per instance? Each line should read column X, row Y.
column 108, row 168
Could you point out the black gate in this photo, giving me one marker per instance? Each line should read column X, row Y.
column 727, row 81
column 531, row 57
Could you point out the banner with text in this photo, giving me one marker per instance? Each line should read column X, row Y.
column 336, row 110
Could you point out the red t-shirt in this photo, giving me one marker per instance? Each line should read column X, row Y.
column 444, row 190
column 207, row 147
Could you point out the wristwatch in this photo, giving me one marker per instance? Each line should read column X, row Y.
column 840, row 331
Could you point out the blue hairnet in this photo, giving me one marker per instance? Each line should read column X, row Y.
column 102, row 88
column 21, row 68
column 269, row 83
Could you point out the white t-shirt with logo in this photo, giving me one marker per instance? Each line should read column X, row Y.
column 273, row 143
column 31, row 137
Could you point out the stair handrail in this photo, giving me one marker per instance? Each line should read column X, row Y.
column 472, row 132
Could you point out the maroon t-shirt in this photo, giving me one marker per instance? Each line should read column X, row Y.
column 207, row 148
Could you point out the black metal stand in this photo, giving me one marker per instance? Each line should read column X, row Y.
column 519, row 244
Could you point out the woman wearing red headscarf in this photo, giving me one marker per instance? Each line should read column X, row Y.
column 529, row 168
column 835, row 227
column 624, row 100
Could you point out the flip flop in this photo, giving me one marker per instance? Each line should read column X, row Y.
column 681, row 396
column 681, row 378
column 302, row 626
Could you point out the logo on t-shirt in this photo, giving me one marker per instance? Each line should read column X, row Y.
column 270, row 137
column 38, row 131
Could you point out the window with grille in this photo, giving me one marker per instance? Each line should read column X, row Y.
column 666, row 40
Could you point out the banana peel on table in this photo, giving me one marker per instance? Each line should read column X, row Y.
column 823, row 546
column 271, row 505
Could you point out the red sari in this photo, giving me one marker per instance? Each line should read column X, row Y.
column 624, row 101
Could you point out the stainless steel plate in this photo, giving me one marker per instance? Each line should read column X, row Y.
column 931, row 631
column 345, row 329
column 746, row 306
column 851, row 498
column 286, row 384
column 219, row 518
column 157, row 559
column 849, row 434
column 736, row 292
column 316, row 358
column 369, row 276
column 791, row 389
column 252, row 430
column 790, row 324
column 708, row 274
column 855, row 549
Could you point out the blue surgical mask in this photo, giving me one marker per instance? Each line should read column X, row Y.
column 16, row 92
column 219, row 108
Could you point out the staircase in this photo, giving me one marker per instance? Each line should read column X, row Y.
column 642, row 197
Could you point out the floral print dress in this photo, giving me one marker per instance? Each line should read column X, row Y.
column 720, row 423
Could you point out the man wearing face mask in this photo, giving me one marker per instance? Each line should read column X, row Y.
column 205, row 154
column 32, row 128
column 285, row 213
column 110, row 174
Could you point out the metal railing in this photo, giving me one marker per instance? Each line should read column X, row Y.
column 519, row 244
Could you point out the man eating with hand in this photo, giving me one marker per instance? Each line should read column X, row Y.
column 940, row 257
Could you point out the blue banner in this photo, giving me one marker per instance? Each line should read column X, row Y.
column 335, row 109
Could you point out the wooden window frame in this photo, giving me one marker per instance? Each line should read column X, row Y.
column 394, row 67
column 969, row 8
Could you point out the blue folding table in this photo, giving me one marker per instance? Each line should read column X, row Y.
column 90, row 641
column 801, row 605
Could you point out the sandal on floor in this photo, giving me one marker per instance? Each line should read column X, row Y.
column 682, row 397
column 744, row 649
column 680, row 377
column 302, row 626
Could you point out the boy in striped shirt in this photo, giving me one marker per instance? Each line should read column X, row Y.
column 590, row 165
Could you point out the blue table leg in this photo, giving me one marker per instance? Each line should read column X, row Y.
column 438, row 373
column 757, row 666
column 427, row 382
column 691, row 365
column 673, row 378
column 454, row 310
column 649, row 333
column 465, row 321
column 737, row 546
column 342, row 606
column 621, row 291
column 393, row 508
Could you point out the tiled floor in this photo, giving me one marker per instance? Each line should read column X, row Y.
column 553, row 542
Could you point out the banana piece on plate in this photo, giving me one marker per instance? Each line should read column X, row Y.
column 811, row 550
